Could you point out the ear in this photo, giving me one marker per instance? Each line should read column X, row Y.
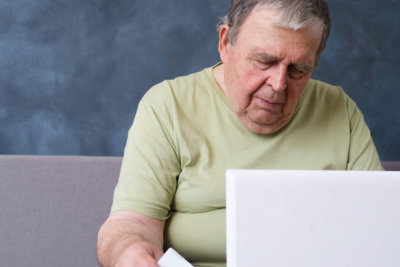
column 223, row 45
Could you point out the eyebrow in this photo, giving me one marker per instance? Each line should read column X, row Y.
column 265, row 58
column 269, row 58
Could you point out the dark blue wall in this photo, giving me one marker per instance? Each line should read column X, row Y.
column 72, row 72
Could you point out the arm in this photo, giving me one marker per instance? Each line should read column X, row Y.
column 132, row 236
column 130, row 239
column 362, row 154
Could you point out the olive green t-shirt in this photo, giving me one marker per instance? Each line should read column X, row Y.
column 185, row 135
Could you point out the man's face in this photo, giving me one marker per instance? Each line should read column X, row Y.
column 267, row 69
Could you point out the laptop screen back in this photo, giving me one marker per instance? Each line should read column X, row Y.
column 313, row 218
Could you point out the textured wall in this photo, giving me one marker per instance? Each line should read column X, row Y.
column 72, row 72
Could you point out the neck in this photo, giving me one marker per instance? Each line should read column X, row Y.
column 218, row 72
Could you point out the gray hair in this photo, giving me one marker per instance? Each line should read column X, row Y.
column 296, row 14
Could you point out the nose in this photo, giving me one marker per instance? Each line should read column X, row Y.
column 278, row 78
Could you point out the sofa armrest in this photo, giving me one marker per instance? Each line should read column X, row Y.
column 391, row 165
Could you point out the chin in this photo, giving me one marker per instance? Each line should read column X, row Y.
column 264, row 128
column 263, row 123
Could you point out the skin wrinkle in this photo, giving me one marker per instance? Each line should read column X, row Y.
column 266, row 70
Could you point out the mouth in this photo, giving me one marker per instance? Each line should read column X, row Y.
column 269, row 105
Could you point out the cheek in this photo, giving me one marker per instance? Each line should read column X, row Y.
column 241, row 89
column 243, row 84
column 249, row 84
column 293, row 96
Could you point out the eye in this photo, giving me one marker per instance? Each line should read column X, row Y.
column 296, row 73
column 264, row 64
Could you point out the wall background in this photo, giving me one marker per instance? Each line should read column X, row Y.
column 72, row 71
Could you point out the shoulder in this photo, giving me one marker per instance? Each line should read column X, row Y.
column 321, row 89
column 324, row 100
column 323, row 94
column 180, row 87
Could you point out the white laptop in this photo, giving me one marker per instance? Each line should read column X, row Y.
column 313, row 218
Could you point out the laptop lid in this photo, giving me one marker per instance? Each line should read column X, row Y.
column 313, row 218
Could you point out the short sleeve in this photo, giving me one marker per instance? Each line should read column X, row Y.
column 362, row 150
column 150, row 167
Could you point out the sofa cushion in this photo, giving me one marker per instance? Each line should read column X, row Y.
column 52, row 208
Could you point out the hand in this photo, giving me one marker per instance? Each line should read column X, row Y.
column 139, row 254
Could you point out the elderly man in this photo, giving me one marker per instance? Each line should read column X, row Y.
column 258, row 108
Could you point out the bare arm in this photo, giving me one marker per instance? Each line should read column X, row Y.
column 130, row 239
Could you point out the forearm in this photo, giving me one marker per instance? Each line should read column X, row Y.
column 127, row 236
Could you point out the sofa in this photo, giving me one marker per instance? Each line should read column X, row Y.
column 53, row 206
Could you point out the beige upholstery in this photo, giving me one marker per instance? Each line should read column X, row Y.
column 53, row 206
